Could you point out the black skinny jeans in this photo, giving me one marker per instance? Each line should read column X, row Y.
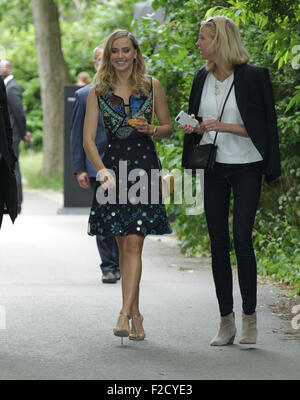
column 245, row 182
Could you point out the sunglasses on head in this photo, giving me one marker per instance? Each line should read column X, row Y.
column 210, row 20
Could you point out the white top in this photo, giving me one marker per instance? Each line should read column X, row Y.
column 8, row 79
column 232, row 149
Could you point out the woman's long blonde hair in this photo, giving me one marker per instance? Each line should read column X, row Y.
column 227, row 39
column 105, row 78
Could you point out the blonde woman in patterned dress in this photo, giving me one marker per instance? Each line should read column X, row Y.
column 124, row 93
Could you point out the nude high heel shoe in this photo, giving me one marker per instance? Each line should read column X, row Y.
column 134, row 333
column 120, row 329
column 226, row 332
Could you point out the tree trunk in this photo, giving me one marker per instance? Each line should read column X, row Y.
column 53, row 74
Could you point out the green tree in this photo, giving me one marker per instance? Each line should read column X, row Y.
column 66, row 33
column 54, row 73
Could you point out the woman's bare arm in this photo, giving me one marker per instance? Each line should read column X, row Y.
column 162, row 111
column 90, row 130
column 235, row 129
column 164, row 129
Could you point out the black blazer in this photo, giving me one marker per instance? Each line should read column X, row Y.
column 255, row 101
column 15, row 109
column 8, row 187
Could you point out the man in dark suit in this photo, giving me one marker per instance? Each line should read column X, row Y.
column 86, row 173
column 8, row 186
column 17, row 118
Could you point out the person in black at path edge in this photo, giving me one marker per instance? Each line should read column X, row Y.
column 8, row 185
column 17, row 119
column 248, row 147
column 86, row 173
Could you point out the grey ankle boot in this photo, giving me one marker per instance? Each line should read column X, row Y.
column 226, row 332
column 249, row 331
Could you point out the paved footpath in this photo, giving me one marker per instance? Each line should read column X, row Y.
column 59, row 316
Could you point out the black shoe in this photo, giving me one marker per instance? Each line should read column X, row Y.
column 109, row 277
column 117, row 274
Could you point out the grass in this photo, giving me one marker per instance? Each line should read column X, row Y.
column 31, row 169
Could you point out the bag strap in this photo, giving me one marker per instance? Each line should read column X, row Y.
column 153, row 102
column 223, row 109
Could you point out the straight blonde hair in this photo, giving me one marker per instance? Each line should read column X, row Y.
column 105, row 78
column 229, row 48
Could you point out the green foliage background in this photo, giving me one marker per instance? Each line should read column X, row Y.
column 270, row 30
column 81, row 33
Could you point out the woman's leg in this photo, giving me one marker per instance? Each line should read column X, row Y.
column 216, row 204
column 217, row 190
column 130, row 254
column 119, row 240
column 246, row 183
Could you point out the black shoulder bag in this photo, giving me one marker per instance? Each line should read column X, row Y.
column 204, row 157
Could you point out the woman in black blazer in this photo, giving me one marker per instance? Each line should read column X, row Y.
column 8, row 186
column 248, row 147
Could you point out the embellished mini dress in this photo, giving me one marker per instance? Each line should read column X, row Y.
column 135, row 205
